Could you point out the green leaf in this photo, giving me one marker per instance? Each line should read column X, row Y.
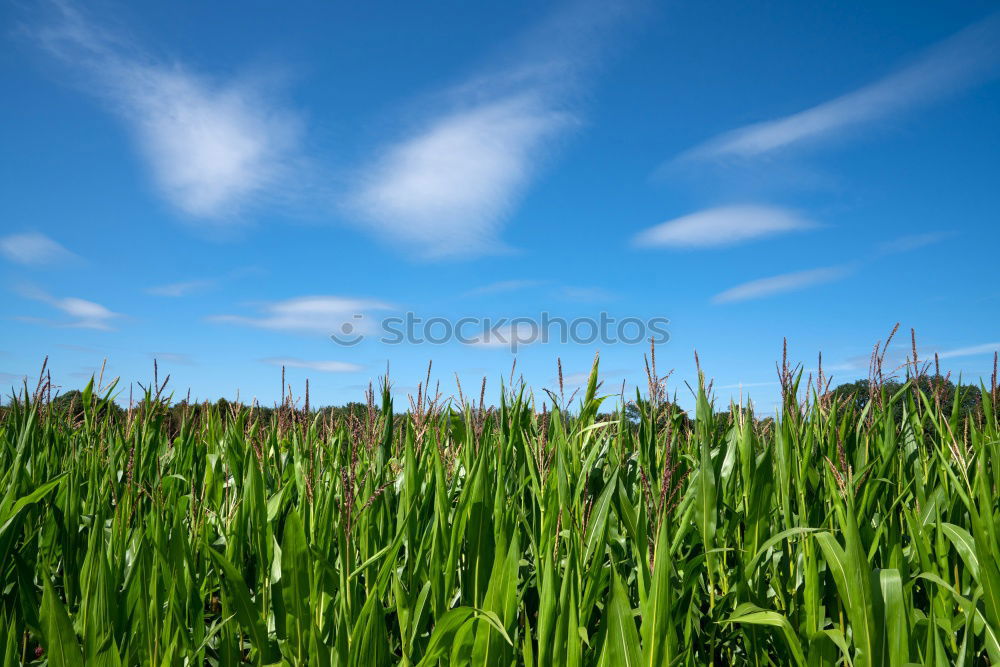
column 238, row 598
column 295, row 595
column 443, row 634
column 61, row 645
column 897, row 631
column 749, row 614
column 621, row 640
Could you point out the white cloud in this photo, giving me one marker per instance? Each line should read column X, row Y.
column 912, row 242
column 583, row 377
column 574, row 379
column 509, row 335
column 852, row 364
column 79, row 348
column 585, row 294
column 85, row 310
column 214, row 147
column 311, row 314
column 12, row 378
column 725, row 225
column 180, row 289
column 747, row 385
column 324, row 366
column 503, row 286
column 788, row 282
column 971, row 351
column 83, row 314
column 958, row 62
column 174, row 358
column 33, row 248
column 446, row 189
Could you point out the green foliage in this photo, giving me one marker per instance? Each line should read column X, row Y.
column 843, row 531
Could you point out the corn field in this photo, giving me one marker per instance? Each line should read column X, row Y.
column 521, row 534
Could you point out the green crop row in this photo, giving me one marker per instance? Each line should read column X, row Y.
column 837, row 534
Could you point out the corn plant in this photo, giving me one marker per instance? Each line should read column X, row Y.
column 457, row 534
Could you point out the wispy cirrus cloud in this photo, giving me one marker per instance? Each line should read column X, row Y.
column 585, row 294
column 503, row 287
column 799, row 280
column 215, row 147
column 723, row 226
column 9, row 379
column 324, row 366
column 32, row 248
column 73, row 347
column 563, row 292
column 446, row 188
column 970, row 351
column 748, row 385
column 185, row 287
column 309, row 314
column 82, row 313
column 510, row 336
column 178, row 358
column 581, row 378
column 787, row 282
column 180, row 289
column 912, row 242
column 961, row 61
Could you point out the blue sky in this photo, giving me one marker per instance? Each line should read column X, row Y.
column 222, row 186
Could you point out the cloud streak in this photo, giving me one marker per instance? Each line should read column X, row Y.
column 32, row 248
column 508, row 336
column 971, row 351
column 961, row 61
column 912, row 242
column 503, row 287
column 323, row 366
column 214, row 147
column 309, row 314
column 583, row 377
column 83, row 314
column 180, row 289
column 446, row 188
column 174, row 358
column 12, row 378
column 787, row 282
column 723, row 226
column 585, row 294
column 748, row 385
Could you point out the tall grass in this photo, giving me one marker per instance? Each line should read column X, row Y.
column 458, row 534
